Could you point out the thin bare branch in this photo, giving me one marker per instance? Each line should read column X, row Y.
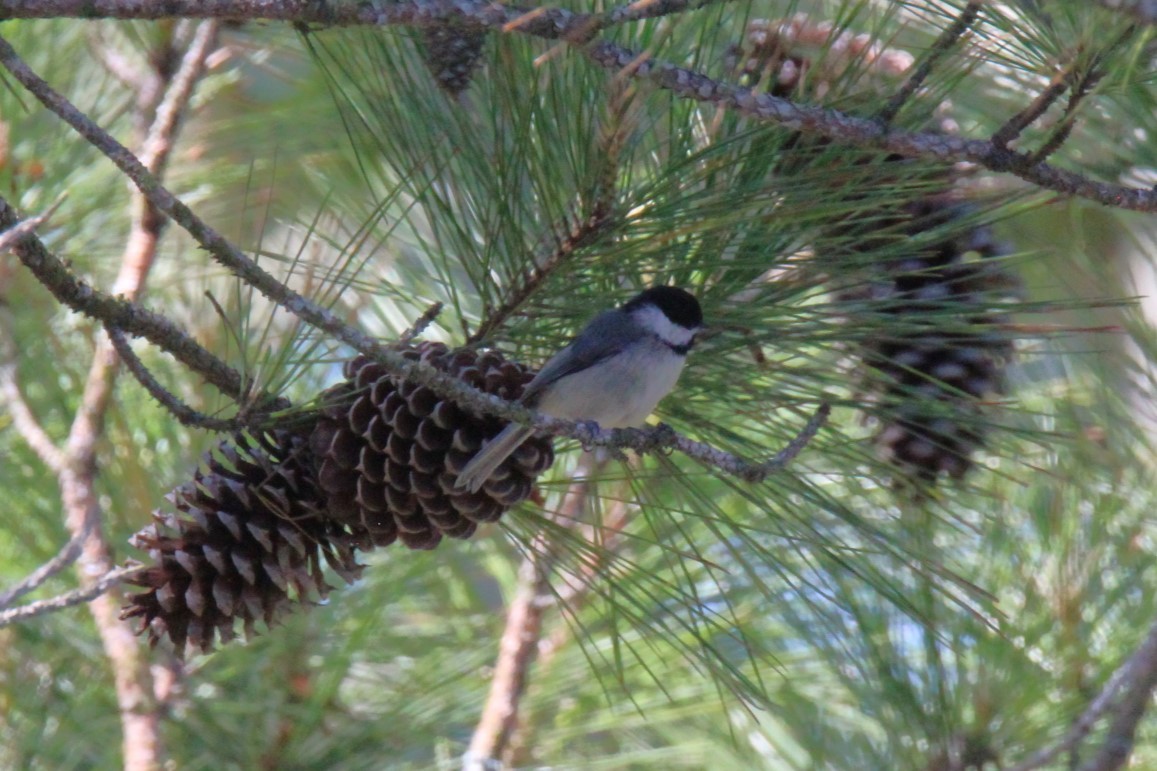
column 164, row 97
column 516, row 652
column 9, row 237
column 940, row 48
column 1138, row 673
column 1013, row 127
column 67, row 555
column 577, row 589
column 172, row 108
column 23, row 418
column 71, row 599
column 129, row 74
column 520, row 639
column 1127, row 713
column 185, row 414
column 420, row 324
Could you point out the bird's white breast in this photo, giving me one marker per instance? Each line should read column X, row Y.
column 618, row 392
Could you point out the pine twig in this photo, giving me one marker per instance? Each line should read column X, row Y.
column 55, row 276
column 1138, row 694
column 1137, row 674
column 67, row 555
column 26, row 227
column 218, row 246
column 323, row 319
column 560, row 24
column 863, row 132
column 520, row 639
column 419, row 326
column 184, row 414
column 598, row 209
column 1081, row 89
column 940, row 48
column 70, row 599
column 24, row 419
column 1013, row 127
column 1062, row 130
column 160, row 331
column 579, row 236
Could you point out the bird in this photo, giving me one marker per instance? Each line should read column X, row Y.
column 614, row 372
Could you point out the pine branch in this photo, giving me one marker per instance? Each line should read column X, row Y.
column 1136, row 676
column 1081, row 88
column 522, row 634
column 1138, row 694
column 940, row 48
column 578, row 236
column 184, row 414
column 133, row 318
column 578, row 29
column 67, row 555
column 596, row 220
column 71, row 599
column 24, row 418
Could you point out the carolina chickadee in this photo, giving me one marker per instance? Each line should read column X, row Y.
column 614, row 372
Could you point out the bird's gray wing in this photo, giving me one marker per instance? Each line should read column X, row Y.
column 602, row 338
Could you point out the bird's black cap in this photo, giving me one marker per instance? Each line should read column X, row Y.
column 678, row 305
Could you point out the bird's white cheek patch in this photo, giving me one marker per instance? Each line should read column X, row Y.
column 655, row 320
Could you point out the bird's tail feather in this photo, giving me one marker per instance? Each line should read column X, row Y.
column 490, row 457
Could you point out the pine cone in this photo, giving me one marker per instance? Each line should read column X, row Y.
column 388, row 455
column 764, row 60
column 948, row 355
column 247, row 542
column 253, row 527
column 453, row 52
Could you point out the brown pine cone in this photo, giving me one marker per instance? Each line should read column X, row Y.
column 453, row 51
column 949, row 355
column 388, row 455
column 247, row 542
column 251, row 531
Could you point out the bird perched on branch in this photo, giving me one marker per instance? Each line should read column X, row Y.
column 613, row 373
